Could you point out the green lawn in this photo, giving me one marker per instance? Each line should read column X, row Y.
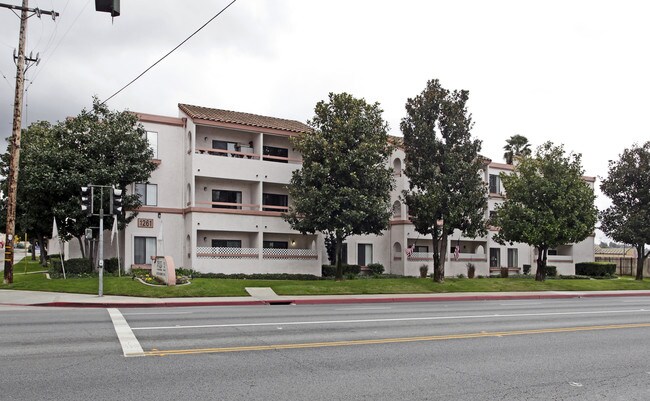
column 222, row 288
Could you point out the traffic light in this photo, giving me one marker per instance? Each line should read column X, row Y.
column 116, row 203
column 87, row 200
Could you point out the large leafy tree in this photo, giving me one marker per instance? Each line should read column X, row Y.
column 446, row 192
column 516, row 146
column 100, row 147
column 344, row 185
column 547, row 204
column 627, row 220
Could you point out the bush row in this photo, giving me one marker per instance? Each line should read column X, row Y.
column 596, row 269
column 330, row 270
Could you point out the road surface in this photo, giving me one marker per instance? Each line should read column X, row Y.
column 568, row 349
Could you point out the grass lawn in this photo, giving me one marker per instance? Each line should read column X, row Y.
column 205, row 287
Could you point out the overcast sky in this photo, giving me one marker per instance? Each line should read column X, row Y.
column 572, row 72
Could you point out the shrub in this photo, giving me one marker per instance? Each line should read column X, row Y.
column 460, row 275
column 526, row 269
column 376, row 269
column 72, row 267
column 595, row 269
column 424, row 270
column 471, row 270
column 187, row 272
column 110, row 265
column 504, row 272
column 330, row 270
column 551, row 271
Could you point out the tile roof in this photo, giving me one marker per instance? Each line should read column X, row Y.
column 627, row 251
column 236, row 117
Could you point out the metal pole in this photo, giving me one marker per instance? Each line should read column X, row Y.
column 101, row 244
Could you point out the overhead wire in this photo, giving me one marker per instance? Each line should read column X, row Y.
column 170, row 52
column 49, row 56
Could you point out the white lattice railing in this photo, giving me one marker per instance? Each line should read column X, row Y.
column 421, row 256
column 208, row 252
column 274, row 253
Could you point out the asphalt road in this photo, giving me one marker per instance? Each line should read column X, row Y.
column 569, row 349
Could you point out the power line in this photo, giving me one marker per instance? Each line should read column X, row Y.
column 170, row 52
column 60, row 41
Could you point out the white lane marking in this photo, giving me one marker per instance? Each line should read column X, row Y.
column 360, row 308
column 156, row 313
column 404, row 319
column 130, row 344
column 574, row 384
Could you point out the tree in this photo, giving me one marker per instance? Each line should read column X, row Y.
column 516, row 146
column 627, row 220
column 446, row 192
column 344, row 185
column 99, row 147
column 547, row 204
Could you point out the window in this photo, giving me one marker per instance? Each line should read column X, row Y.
column 512, row 257
column 494, row 184
column 344, row 253
column 551, row 252
column 493, row 214
column 226, row 243
column 226, row 197
column 274, row 200
column 364, row 254
column 152, row 138
column 275, row 152
column 421, row 248
column 223, row 145
column 495, row 257
column 148, row 193
column 275, row 244
column 144, row 249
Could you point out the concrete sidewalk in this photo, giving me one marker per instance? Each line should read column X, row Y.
column 37, row 298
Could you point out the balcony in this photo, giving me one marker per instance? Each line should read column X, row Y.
column 204, row 252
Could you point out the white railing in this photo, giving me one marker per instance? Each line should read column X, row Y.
column 207, row 252
column 275, row 253
column 559, row 258
column 421, row 256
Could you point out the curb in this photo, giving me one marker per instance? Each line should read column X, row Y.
column 325, row 301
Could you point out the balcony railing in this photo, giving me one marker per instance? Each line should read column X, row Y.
column 206, row 252
column 274, row 253
column 246, row 153
column 244, row 206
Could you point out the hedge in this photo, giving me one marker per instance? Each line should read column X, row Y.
column 595, row 269
column 551, row 271
column 330, row 270
column 376, row 269
column 72, row 266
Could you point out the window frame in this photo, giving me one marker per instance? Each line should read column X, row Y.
column 148, row 241
column 238, row 199
column 144, row 196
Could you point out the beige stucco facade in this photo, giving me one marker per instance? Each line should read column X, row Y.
column 215, row 200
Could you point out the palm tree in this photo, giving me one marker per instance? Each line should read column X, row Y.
column 516, row 145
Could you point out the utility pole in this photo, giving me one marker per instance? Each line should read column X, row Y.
column 12, row 178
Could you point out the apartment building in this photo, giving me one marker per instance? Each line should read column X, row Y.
column 215, row 202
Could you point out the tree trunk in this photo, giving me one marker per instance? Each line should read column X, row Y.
column 640, row 259
column 540, row 275
column 339, row 265
column 439, row 248
column 81, row 247
column 33, row 243
column 41, row 242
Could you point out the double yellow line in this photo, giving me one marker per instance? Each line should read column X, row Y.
column 392, row 340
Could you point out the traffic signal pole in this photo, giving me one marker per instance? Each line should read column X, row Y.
column 115, row 205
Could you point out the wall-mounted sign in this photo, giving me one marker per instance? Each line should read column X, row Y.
column 145, row 223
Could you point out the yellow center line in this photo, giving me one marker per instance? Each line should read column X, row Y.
column 392, row 340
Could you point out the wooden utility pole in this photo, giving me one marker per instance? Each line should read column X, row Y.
column 14, row 144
